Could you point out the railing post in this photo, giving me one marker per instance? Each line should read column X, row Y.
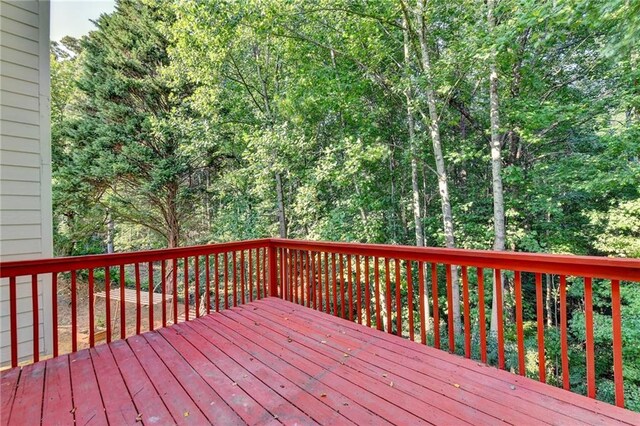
column 273, row 271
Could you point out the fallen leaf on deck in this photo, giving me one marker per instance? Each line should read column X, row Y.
column 139, row 417
column 186, row 414
column 456, row 385
column 513, row 387
column 73, row 410
column 385, row 375
column 345, row 355
column 289, row 340
column 323, row 341
column 234, row 384
column 322, row 395
column 391, row 384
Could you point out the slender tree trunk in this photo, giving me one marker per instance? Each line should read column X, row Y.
column 443, row 185
column 281, row 216
column 415, row 186
column 496, row 167
column 172, row 221
column 408, row 93
column 111, row 229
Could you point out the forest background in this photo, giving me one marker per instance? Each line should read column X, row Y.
column 505, row 125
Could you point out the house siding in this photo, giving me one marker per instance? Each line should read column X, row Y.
column 25, row 165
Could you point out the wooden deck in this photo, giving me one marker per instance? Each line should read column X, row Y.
column 270, row 362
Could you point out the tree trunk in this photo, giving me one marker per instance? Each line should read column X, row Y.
column 111, row 229
column 496, row 167
column 443, row 186
column 172, row 221
column 281, row 216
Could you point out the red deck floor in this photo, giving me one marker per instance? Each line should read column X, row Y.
column 272, row 362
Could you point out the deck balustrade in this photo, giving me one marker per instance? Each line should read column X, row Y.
column 395, row 289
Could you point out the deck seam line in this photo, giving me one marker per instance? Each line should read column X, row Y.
column 13, row 400
column 124, row 382
column 149, row 378
column 125, row 341
column 44, row 381
column 93, row 367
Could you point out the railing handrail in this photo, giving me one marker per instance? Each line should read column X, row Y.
column 585, row 266
column 16, row 268
column 626, row 269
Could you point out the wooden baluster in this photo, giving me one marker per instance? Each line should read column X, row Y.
column 422, row 294
column 91, row 310
column 367, row 291
column 123, row 315
column 564, row 348
column 107, row 301
column 616, row 317
column 150, row 282
column 452, row 342
column 499, row 303
column 163, row 284
column 335, row 290
column 358, row 291
column 186, row 288
column 243, row 277
column 226, row 280
column 519, row 324
column 35, row 319
column 387, row 273
column 54, row 311
column 540, row 320
column 250, row 275
column 398, row 266
column 436, row 305
column 138, row 313
column 327, row 303
column 482, row 318
column 175, row 290
column 467, row 312
column 13, row 313
column 196, row 289
column 207, row 273
column 376, row 278
column 216, row 280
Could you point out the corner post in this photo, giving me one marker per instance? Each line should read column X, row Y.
column 273, row 270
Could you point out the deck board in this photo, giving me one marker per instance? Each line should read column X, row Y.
column 57, row 404
column 274, row 362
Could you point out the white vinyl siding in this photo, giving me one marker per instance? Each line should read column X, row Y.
column 25, row 165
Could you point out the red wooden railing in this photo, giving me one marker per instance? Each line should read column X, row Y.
column 189, row 281
column 392, row 288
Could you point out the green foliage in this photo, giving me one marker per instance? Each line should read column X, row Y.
column 176, row 119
